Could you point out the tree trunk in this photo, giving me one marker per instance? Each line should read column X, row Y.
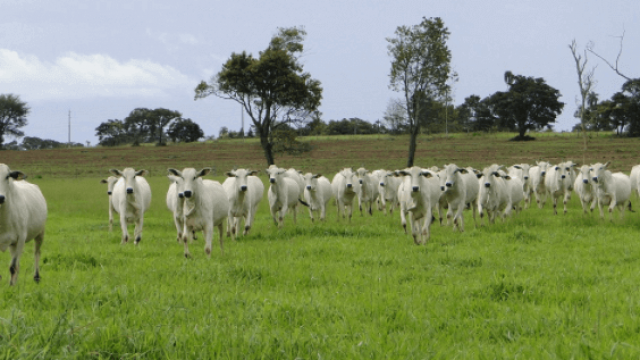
column 412, row 144
column 267, row 148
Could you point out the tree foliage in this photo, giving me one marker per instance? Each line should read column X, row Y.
column 273, row 88
column 142, row 125
column 420, row 68
column 184, row 130
column 529, row 104
column 13, row 116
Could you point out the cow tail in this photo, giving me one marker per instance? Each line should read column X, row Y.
column 629, row 207
column 303, row 202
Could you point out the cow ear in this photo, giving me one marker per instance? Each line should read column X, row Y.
column 317, row 175
column 173, row 178
column 230, row 174
column 254, row 172
column 18, row 175
column 203, row 172
column 174, row 172
column 103, row 181
column 142, row 172
column 607, row 164
column 517, row 167
column 463, row 171
column 507, row 177
column 479, row 175
column 115, row 172
column 427, row 174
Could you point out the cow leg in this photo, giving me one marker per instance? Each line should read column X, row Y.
column 208, row 238
column 283, row 213
column 38, row 244
column 220, row 230
column 16, row 250
column 137, row 231
column 110, row 216
column 186, row 237
column 123, row 226
column 459, row 219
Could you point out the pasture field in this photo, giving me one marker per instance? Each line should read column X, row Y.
column 536, row 286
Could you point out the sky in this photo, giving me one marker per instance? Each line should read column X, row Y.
column 99, row 60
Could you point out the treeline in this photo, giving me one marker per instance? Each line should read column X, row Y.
column 35, row 143
column 144, row 125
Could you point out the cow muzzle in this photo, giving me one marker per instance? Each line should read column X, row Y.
column 129, row 190
column 449, row 184
column 1, row 199
column 526, row 178
column 563, row 176
column 272, row 180
column 442, row 188
column 181, row 195
column 595, row 180
column 382, row 184
column 188, row 193
column 108, row 192
column 415, row 188
column 585, row 181
column 487, row 185
column 360, row 181
column 543, row 173
column 243, row 188
column 349, row 186
column 308, row 187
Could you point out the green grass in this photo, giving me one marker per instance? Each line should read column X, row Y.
column 536, row 286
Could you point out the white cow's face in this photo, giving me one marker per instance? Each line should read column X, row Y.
column 568, row 167
column 129, row 176
column 241, row 176
column 417, row 175
column 361, row 173
column 348, row 176
column 275, row 174
column 585, row 172
column 179, row 184
column 192, row 179
column 543, row 167
column 385, row 178
column 451, row 176
column 311, row 181
column 111, row 182
column 597, row 171
column 525, row 170
column 489, row 176
column 7, row 177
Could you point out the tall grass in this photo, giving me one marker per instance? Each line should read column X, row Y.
column 536, row 286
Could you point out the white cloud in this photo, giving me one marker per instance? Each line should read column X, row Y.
column 76, row 76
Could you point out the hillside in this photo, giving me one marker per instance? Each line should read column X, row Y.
column 328, row 154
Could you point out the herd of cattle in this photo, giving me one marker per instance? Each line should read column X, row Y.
column 199, row 204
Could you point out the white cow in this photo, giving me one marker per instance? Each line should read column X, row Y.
column 559, row 182
column 460, row 190
column 111, row 182
column 23, row 214
column 420, row 196
column 514, row 186
column 388, row 190
column 494, row 196
column 585, row 188
column 538, row 173
column 635, row 180
column 613, row 190
column 317, row 194
column 244, row 191
column 175, row 203
column 377, row 176
column 205, row 207
column 284, row 193
column 522, row 171
column 343, row 189
column 131, row 199
column 367, row 191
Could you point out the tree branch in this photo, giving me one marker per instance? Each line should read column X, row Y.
column 614, row 68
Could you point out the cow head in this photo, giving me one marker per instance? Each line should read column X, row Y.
column 192, row 179
column 417, row 175
column 111, row 182
column 7, row 177
column 598, row 172
column 129, row 176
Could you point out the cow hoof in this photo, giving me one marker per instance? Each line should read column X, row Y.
column 207, row 251
column 138, row 239
column 187, row 256
column 37, row 278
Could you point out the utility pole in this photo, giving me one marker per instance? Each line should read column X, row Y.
column 242, row 116
column 69, row 142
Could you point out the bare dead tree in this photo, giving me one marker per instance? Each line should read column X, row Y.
column 586, row 82
column 616, row 67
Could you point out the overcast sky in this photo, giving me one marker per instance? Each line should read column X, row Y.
column 102, row 59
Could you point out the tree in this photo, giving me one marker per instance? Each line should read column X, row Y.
column 184, row 130
column 159, row 118
column 273, row 89
column 613, row 67
column 112, row 133
column 13, row 116
column 631, row 89
column 419, row 70
column 396, row 117
column 138, row 126
column 474, row 114
column 585, row 82
column 529, row 104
